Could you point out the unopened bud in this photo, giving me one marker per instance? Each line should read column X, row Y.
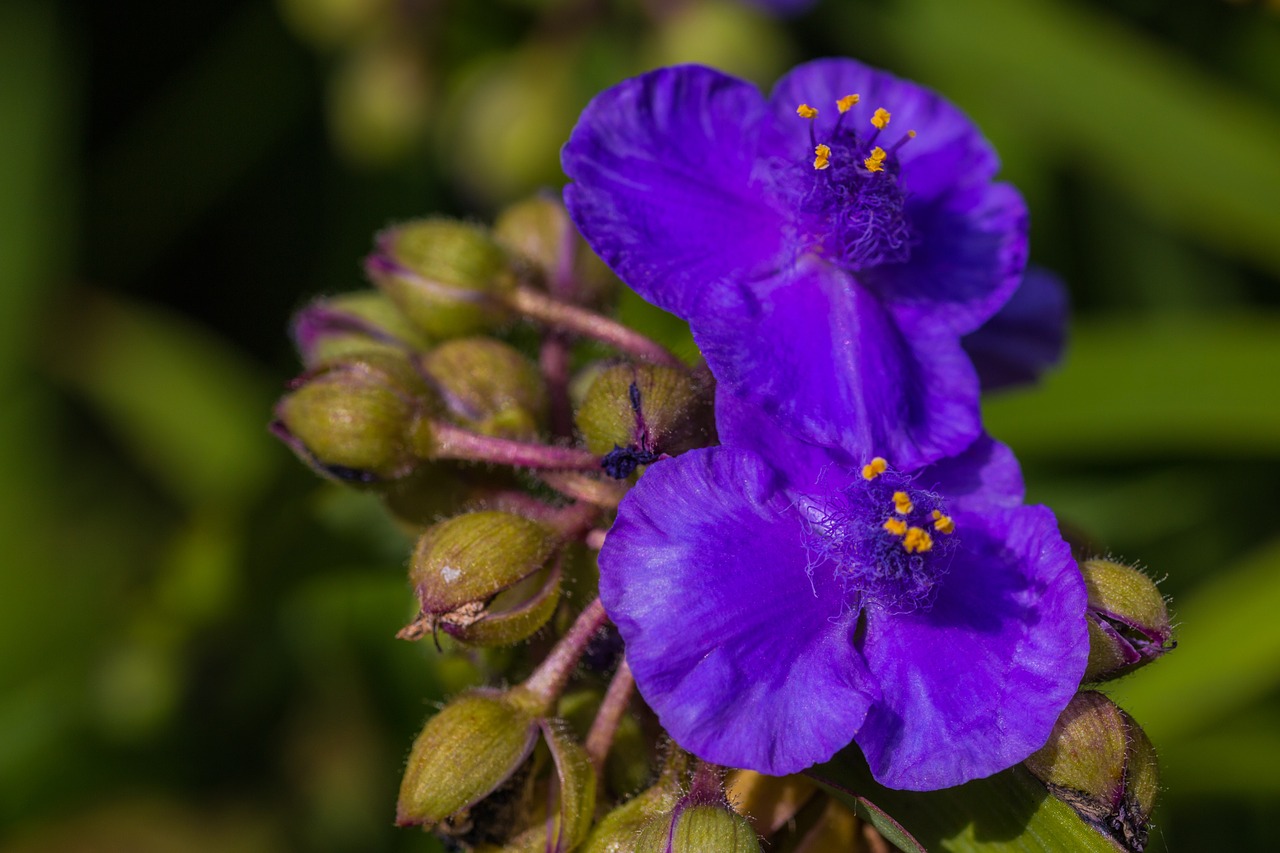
column 538, row 229
column 635, row 413
column 618, row 830
column 701, row 822
column 350, row 419
column 572, row 796
column 460, row 567
column 447, row 277
column 463, row 754
column 488, row 387
column 353, row 323
column 1101, row 763
column 1128, row 620
column 698, row 829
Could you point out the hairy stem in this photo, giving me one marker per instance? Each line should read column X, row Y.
column 605, row 725
column 589, row 324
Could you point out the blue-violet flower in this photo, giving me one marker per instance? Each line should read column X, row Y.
column 829, row 245
column 779, row 600
column 1025, row 337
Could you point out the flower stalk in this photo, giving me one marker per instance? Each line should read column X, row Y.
column 434, row 439
column 605, row 725
column 580, row 321
column 550, row 678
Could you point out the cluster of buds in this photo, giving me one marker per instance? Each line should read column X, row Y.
column 480, row 391
column 1098, row 760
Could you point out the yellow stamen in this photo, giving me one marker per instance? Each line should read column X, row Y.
column 911, row 134
column 880, row 118
column 896, row 526
column 943, row 523
column 806, row 111
column 874, row 468
column 846, row 103
column 875, row 163
column 822, row 157
column 902, row 503
column 917, row 540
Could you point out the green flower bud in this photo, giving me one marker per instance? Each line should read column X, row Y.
column 634, row 413
column 460, row 566
column 463, row 754
column 513, row 615
column 353, row 323
column 538, row 229
column 1128, row 620
column 568, row 797
column 350, row 419
column 698, row 829
column 447, row 277
column 488, row 387
column 701, row 821
column 1100, row 762
column 618, row 830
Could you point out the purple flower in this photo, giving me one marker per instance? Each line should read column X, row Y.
column 828, row 250
column 779, row 600
column 1025, row 337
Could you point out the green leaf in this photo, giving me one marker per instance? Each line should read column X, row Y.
column 1174, row 385
column 1118, row 102
column 1010, row 812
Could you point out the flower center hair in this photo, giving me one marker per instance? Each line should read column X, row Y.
column 851, row 197
column 887, row 542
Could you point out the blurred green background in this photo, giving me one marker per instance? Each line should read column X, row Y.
column 196, row 635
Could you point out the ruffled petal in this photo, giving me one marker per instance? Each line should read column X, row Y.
column 948, row 151
column 1027, row 335
column 985, row 476
column 817, row 352
column 806, row 467
column 974, row 684
column 747, row 661
column 661, row 168
column 970, row 259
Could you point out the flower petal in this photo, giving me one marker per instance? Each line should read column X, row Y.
column 661, row 168
column 819, row 353
column 947, row 152
column 804, row 466
column 747, row 661
column 974, row 684
column 985, row 476
column 1025, row 337
column 971, row 257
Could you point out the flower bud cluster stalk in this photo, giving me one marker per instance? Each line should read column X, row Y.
column 461, row 392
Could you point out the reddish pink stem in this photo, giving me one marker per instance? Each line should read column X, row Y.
column 440, row 440
column 589, row 324
column 549, row 679
column 605, row 725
